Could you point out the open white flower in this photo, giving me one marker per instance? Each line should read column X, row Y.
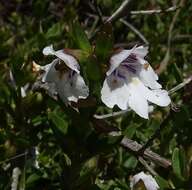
column 131, row 82
column 66, row 77
column 141, row 179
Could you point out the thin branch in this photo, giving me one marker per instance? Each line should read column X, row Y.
column 135, row 30
column 147, row 166
column 14, row 157
column 165, row 61
column 181, row 85
column 155, row 135
column 149, row 12
column 119, row 12
column 134, row 147
column 113, row 114
column 98, row 10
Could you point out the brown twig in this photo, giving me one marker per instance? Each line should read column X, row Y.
column 134, row 147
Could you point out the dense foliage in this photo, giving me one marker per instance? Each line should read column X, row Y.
column 75, row 149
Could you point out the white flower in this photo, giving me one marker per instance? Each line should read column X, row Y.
column 15, row 178
column 66, row 77
column 141, row 179
column 131, row 82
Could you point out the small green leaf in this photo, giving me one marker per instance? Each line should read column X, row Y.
column 162, row 182
column 179, row 163
column 58, row 122
column 32, row 179
column 54, row 31
column 80, row 38
column 130, row 130
column 131, row 162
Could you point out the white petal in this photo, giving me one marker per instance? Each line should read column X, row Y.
column 141, row 51
column 160, row 97
column 50, row 75
column 69, row 60
column 80, row 90
column 149, row 181
column 72, row 89
column 117, row 59
column 23, row 92
column 115, row 93
column 51, row 89
column 137, row 101
column 149, row 77
column 49, row 50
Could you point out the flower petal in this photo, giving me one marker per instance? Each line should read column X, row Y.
column 50, row 75
column 69, row 60
column 49, row 50
column 159, row 97
column 140, row 51
column 80, row 89
column 149, row 77
column 115, row 92
column 137, row 101
column 149, row 181
column 117, row 59
column 72, row 88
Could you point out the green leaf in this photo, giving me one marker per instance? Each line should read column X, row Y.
column 32, row 178
column 54, row 31
column 131, row 162
column 162, row 182
column 80, row 38
column 179, row 163
column 130, row 130
column 58, row 122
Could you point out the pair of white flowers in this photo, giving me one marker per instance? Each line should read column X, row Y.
column 130, row 81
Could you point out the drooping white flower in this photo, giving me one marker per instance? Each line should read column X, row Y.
column 66, row 77
column 131, row 83
column 142, row 179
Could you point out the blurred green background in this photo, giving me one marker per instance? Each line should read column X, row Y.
column 75, row 150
